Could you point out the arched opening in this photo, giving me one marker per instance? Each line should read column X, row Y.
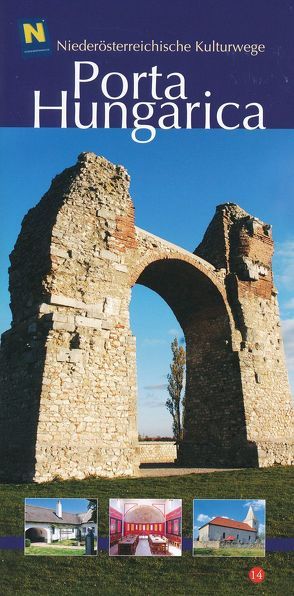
column 214, row 420
column 154, row 325
column 37, row 534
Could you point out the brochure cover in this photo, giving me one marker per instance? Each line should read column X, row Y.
column 146, row 361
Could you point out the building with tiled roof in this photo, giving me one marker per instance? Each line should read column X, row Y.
column 43, row 524
column 224, row 528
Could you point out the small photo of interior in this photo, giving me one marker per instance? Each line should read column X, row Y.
column 145, row 527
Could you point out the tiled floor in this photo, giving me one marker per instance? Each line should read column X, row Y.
column 113, row 550
column 174, row 550
column 143, row 549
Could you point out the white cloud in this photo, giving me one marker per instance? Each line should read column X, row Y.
column 284, row 264
column 256, row 504
column 290, row 304
column 150, row 401
column 285, row 249
column 203, row 518
column 261, row 529
column 175, row 332
column 159, row 387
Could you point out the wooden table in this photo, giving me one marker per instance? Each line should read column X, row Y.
column 158, row 544
column 127, row 545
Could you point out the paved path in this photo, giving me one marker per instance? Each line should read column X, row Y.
column 173, row 471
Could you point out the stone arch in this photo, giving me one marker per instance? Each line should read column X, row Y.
column 68, row 363
column 201, row 266
column 213, row 387
column 37, row 534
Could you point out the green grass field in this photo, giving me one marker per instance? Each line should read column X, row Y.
column 54, row 551
column 229, row 552
column 125, row 576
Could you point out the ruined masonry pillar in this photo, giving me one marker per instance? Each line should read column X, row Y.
column 242, row 247
column 68, row 363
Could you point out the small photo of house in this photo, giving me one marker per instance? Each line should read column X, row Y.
column 229, row 527
column 61, row 527
column 145, row 527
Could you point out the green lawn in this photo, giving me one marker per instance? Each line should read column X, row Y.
column 68, row 542
column 143, row 576
column 229, row 552
column 54, row 551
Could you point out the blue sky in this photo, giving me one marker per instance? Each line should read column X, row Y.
column 206, row 509
column 68, row 505
column 176, row 183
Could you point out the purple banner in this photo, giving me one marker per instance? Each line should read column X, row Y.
column 238, row 53
column 281, row 545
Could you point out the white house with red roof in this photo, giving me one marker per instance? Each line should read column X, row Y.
column 224, row 528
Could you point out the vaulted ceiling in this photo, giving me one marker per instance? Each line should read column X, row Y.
column 144, row 514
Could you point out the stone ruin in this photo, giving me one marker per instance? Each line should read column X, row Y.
column 68, row 363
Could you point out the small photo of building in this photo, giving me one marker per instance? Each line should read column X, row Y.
column 61, row 527
column 229, row 527
column 145, row 527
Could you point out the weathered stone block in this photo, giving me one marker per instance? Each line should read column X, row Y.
column 45, row 308
column 63, row 326
column 61, row 318
column 66, row 301
column 76, row 356
column 62, row 355
column 111, row 306
column 59, row 252
column 120, row 267
column 106, row 213
column 108, row 255
column 88, row 322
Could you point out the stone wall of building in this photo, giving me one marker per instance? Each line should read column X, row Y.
column 157, row 451
column 68, row 363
